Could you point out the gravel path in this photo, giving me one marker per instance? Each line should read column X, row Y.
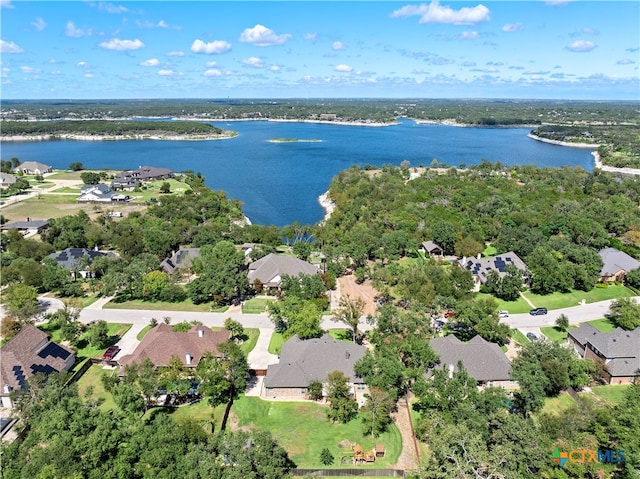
column 408, row 460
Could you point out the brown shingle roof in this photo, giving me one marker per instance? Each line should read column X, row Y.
column 30, row 352
column 161, row 343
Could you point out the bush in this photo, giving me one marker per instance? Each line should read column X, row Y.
column 173, row 293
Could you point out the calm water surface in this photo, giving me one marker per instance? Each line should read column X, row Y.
column 279, row 183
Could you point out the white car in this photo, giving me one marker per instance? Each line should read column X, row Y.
column 503, row 314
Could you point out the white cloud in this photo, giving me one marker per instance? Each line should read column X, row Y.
column 168, row 73
column 29, row 70
column 162, row 24
column 111, row 8
column 311, row 36
column 121, row 45
column 344, row 68
column 175, row 54
column 511, row 27
column 89, row 75
column 338, row 46
column 151, row 62
column 212, row 73
column 262, row 36
column 82, row 64
column 275, row 68
column 6, row 4
column 211, row 64
column 217, row 46
column 39, row 24
column 9, row 47
column 435, row 13
column 468, row 36
column 253, row 62
column 581, row 46
column 625, row 62
column 75, row 32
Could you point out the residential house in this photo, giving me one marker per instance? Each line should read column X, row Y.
column 33, row 168
column 7, row 179
column 100, row 193
column 480, row 267
column 303, row 361
column 27, row 228
column 162, row 343
column 270, row 269
column 484, row 361
column 78, row 260
column 432, row 249
column 618, row 349
column 181, row 259
column 616, row 264
column 27, row 353
column 133, row 178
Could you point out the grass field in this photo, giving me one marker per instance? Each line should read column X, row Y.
column 518, row 337
column 303, row 429
column 603, row 325
column 151, row 189
column 255, row 305
column 612, row 394
column 555, row 334
column 85, row 350
column 573, row 298
column 514, row 307
column 275, row 345
column 90, row 385
column 557, row 405
column 186, row 305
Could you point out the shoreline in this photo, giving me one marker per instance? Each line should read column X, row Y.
column 327, row 204
column 134, row 137
column 563, row 143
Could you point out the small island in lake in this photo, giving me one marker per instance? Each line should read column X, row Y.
column 293, row 140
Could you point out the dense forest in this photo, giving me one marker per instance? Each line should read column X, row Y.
column 556, row 220
column 111, row 128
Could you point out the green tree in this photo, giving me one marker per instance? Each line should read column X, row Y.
column 293, row 316
column 154, row 283
column 90, row 178
column 315, row 390
column 376, row 412
column 21, row 301
column 98, row 334
column 625, row 313
column 236, row 329
column 562, row 322
column 342, row 406
column 326, row 457
column 349, row 312
column 165, row 187
column 76, row 166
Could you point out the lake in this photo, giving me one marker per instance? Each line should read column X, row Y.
column 279, row 183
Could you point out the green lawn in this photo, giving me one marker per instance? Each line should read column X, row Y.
column 574, row 297
column 603, row 325
column 143, row 332
column 275, row 344
column 341, row 335
column 557, row 405
column 255, row 305
column 514, row 307
column 250, row 343
column 90, row 385
column 490, row 250
column 85, row 350
column 613, row 394
column 152, row 189
column 519, row 337
column 303, row 429
column 186, row 305
column 555, row 334
column 68, row 189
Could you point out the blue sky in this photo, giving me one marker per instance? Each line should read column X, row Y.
column 332, row 49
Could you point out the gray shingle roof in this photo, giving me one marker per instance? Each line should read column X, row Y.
column 302, row 361
column 615, row 261
column 484, row 361
column 270, row 269
column 25, row 225
column 180, row 259
column 71, row 258
column 481, row 267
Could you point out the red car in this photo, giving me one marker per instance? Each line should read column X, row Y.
column 110, row 353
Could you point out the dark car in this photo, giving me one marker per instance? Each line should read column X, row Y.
column 532, row 337
column 538, row 311
column 110, row 353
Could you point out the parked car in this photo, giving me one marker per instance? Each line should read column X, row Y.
column 532, row 337
column 538, row 311
column 110, row 353
column 503, row 314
